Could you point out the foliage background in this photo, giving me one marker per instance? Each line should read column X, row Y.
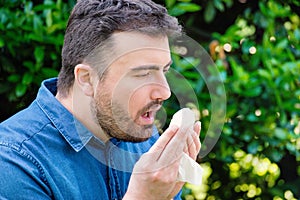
column 255, row 45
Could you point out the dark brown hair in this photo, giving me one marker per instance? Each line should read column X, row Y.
column 92, row 22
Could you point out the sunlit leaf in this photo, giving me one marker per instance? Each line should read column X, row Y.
column 181, row 8
column 280, row 133
column 27, row 78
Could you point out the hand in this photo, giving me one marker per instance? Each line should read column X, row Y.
column 193, row 142
column 155, row 174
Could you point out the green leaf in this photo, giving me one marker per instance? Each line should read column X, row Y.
column 280, row 133
column 209, row 12
column 219, row 5
column 253, row 92
column 291, row 147
column 42, row 7
column 252, row 118
column 14, row 78
column 28, row 7
column 39, row 54
column 170, row 3
column 27, row 78
column 37, row 23
column 253, row 147
column 265, row 74
column 1, row 43
column 20, row 90
column 49, row 20
column 176, row 11
column 189, row 7
column 28, row 64
column 49, row 72
column 297, row 34
column 181, row 8
column 275, row 155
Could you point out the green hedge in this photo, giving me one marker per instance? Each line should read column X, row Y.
column 258, row 153
column 256, row 49
column 30, row 41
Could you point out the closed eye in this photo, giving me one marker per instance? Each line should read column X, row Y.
column 146, row 70
column 143, row 74
column 166, row 69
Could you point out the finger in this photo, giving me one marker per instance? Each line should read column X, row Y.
column 196, row 141
column 197, row 127
column 148, row 162
column 192, row 144
column 175, row 147
column 164, row 139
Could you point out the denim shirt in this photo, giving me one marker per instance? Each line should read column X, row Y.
column 46, row 153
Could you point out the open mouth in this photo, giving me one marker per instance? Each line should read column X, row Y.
column 147, row 116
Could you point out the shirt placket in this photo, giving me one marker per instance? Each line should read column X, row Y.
column 114, row 182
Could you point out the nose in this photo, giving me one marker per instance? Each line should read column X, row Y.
column 161, row 89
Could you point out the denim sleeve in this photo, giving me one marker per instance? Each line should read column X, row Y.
column 20, row 176
column 178, row 196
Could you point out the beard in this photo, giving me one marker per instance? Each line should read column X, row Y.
column 115, row 121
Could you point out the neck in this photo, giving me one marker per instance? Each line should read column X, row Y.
column 80, row 108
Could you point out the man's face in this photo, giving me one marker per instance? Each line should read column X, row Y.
column 134, row 87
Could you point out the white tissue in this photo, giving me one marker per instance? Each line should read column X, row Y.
column 189, row 170
column 183, row 118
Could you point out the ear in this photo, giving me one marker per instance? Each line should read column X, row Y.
column 84, row 78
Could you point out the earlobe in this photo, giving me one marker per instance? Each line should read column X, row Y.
column 83, row 78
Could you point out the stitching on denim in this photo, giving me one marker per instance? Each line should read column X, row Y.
column 18, row 149
column 34, row 133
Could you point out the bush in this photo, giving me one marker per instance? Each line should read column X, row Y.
column 255, row 46
column 257, row 155
column 30, row 41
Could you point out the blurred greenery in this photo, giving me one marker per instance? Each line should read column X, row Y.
column 31, row 36
column 256, row 48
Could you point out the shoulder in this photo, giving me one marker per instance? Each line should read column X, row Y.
column 23, row 125
column 18, row 133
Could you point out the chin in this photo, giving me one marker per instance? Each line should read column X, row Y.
column 139, row 136
column 135, row 139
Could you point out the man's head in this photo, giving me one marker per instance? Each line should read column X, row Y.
column 124, row 44
column 93, row 22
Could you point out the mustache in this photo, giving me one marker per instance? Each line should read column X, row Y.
column 149, row 106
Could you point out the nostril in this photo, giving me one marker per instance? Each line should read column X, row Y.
column 160, row 92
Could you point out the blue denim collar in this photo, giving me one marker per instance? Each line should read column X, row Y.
column 74, row 132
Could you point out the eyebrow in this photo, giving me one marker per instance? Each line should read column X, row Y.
column 150, row 67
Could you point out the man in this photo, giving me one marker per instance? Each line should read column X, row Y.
column 83, row 136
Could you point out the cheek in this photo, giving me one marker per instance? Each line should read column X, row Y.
column 138, row 100
column 120, row 97
column 131, row 95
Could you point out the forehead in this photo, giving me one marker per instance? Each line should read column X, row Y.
column 134, row 49
column 125, row 42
